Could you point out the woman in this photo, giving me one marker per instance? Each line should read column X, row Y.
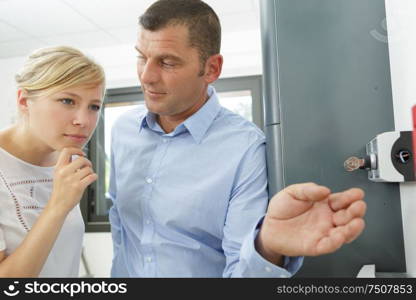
column 43, row 171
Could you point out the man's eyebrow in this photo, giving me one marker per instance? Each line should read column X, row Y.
column 170, row 56
column 163, row 56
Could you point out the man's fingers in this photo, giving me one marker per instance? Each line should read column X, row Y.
column 354, row 229
column 308, row 192
column 339, row 236
column 342, row 200
column 330, row 243
column 66, row 155
column 355, row 210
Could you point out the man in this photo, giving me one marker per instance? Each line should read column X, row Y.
column 188, row 178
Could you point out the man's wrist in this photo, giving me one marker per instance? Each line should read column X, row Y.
column 268, row 254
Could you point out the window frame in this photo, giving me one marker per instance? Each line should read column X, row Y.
column 97, row 223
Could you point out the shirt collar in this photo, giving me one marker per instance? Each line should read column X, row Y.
column 148, row 120
column 197, row 124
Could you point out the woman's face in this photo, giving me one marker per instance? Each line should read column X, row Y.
column 67, row 118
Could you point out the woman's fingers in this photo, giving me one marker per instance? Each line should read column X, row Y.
column 84, row 172
column 66, row 154
column 77, row 164
column 86, row 181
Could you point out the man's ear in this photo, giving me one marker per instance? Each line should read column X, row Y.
column 213, row 68
column 22, row 101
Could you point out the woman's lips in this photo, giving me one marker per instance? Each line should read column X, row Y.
column 76, row 138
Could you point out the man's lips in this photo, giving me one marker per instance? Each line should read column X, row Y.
column 154, row 93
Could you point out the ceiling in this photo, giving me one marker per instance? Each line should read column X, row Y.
column 27, row 24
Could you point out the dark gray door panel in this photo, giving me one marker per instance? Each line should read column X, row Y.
column 327, row 91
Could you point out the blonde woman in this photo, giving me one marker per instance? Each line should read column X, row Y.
column 43, row 170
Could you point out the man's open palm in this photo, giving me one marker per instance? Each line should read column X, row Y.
column 307, row 220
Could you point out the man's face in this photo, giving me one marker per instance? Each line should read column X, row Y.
column 169, row 71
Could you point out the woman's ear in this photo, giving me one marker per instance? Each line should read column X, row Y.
column 22, row 101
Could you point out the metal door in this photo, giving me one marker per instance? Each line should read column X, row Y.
column 327, row 93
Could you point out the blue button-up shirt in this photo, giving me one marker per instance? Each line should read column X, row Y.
column 188, row 203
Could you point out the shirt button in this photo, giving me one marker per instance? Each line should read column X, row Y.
column 148, row 259
column 268, row 269
column 147, row 222
column 165, row 141
column 149, row 180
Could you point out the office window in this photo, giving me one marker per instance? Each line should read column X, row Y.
column 240, row 95
column 111, row 113
column 239, row 102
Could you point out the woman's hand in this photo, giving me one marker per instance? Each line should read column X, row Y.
column 71, row 178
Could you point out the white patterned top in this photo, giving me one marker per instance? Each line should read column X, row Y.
column 24, row 191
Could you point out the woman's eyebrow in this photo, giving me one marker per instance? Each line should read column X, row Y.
column 78, row 96
column 71, row 94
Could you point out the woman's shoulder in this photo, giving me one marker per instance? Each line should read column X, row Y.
column 2, row 138
column 8, row 162
column 5, row 146
column 5, row 138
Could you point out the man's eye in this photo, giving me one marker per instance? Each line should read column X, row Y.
column 141, row 59
column 168, row 64
column 67, row 101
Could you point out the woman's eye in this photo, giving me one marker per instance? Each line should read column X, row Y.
column 67, row 101
column 95, row 107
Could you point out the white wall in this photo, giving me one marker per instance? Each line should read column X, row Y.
column 8, row 69
column 401, row 25
column 98, row 253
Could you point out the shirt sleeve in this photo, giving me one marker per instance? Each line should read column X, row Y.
column 247, row 207
column 254, row 265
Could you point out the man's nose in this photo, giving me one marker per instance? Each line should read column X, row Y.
column 148, row 73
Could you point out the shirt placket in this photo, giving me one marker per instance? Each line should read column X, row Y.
column 148, row 221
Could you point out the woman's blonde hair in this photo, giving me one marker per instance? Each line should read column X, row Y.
column 50, row 70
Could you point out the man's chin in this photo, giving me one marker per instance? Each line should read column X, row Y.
column 157, row 110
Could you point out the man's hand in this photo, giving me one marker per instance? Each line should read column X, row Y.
column 307, row 220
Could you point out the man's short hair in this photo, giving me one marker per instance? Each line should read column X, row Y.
column 202, row 22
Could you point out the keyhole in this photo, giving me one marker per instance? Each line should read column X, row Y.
column 403, row 156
